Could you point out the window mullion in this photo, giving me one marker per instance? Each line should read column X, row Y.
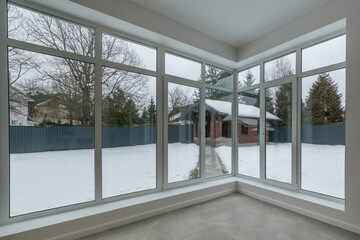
column 234, row 125
column 98, row 111
column 4, row 129
column 202, row 124
column 262, row 122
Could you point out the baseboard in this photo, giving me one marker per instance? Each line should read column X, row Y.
column 302, row 211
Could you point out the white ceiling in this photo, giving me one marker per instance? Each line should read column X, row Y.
column 233, row 22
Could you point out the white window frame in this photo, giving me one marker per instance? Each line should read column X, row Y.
column 296, row 81
column 161, row 102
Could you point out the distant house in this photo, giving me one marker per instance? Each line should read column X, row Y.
column 48, row 107
column 219, row 119
column 19, row 109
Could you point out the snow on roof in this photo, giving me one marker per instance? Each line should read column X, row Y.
column 243, row 110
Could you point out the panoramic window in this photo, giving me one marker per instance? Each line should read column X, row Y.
column 51, row 106
column 218, row 77
column 280, row 67
column 48, row 31
column 323, row 133
column 278, row 133
column 218, row 129
column 129, row 117
column 249, row 139
column 183, row 133
column 116, row 49
column 182, row 67
column 249, row 77
column 324, row 54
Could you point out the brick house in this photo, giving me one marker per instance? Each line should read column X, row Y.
column 219, row 119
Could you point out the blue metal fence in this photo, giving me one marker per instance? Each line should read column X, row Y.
column 332, row 134
column 40, row 139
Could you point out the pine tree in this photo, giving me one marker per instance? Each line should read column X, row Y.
column 152, row 112
column 212, row 76
column 323, row 104
column 249, row 79
column 144, row 116
column 118, row 110
column 270, row 105
column 283, row 104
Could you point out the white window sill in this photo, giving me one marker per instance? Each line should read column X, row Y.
column 245, row 185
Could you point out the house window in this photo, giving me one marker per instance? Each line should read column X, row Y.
column 218, row 148
column 218, row 77
column 244, row 129
column 36, row 183
column 249, row 145
column 182, row 67
column 183, row 133
column 280, row 67
column 129, row 124
column 279, row 133
column 117, row 49
column 249, row 77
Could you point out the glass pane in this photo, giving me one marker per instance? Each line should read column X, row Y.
column 182, row 67
column 323, row 133
column 51, row 105
column 218, row 77
column 324, row 54
column 218, row 141
column 183, row 133
column 116, row 49
column 278, row 133
column 248, row 133
column 128, row 132
column 48, row 31
column 280, row 67
column 249, row 77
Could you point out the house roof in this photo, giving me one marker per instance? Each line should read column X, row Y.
column 43, row 98
column 244, row 111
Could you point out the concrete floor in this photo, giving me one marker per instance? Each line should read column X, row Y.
column 232, row 217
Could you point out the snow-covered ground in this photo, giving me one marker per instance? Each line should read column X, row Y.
column 48, row 180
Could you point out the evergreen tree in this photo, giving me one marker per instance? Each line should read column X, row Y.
column 270, row 105
column 119, row 110
column 212, row 76
column 283, row 104
column 249, row 79
column 144, row 116
column 323, row 104
column 151, row 110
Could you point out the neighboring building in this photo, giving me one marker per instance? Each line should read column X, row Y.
column 19, row 109
column 219, row 120
column 48, row 107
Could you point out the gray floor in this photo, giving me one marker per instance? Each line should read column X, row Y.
column 232, row 217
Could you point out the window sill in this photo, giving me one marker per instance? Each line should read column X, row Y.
column 89, row 220
column 245, row 186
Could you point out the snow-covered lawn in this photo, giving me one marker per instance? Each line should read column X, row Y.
column 48, row 180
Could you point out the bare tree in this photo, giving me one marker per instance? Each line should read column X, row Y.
column 177, row 99
column 72, row 81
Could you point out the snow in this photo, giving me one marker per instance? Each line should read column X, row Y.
column 40, row 181
column 322, row 170
column 182, row 159
column 244, row 109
